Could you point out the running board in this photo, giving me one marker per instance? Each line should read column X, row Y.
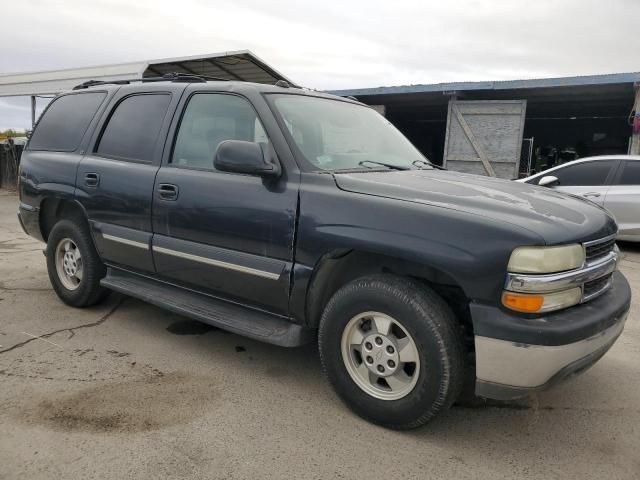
column 228, row 316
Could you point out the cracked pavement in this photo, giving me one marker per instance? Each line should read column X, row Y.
column 126, row 390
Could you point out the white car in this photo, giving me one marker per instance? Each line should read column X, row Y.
column 612, row 181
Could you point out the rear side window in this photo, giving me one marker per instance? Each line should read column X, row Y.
column 630, row 174
column 132, row 130
column 65, row 121
column 584, row 174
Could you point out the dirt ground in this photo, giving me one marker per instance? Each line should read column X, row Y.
column 126, row 390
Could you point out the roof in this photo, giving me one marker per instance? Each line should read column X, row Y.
column 198, row 82
column 237, row 65
column 587, row 80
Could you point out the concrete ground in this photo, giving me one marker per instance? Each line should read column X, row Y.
column 126, row 390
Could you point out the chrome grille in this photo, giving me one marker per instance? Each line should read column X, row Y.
column 595, row 287
column 599, row 248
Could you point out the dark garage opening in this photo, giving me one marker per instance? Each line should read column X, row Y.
column 566, row 118
column 567, row 123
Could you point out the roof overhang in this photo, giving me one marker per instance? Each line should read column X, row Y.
column 536, row 83
column 610, row 95
column 238, row 65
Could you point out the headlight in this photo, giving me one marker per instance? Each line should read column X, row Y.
column 522, row 302
column 546, row 259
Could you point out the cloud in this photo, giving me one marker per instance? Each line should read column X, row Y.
column 335, row 44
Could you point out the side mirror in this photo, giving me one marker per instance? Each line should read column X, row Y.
column 548, row 181
column 251, row 158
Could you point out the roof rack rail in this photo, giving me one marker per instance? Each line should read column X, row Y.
column 167, row 77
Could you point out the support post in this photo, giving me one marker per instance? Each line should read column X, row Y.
column 33, row 111
column 634, row 147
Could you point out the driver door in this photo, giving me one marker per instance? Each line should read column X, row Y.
column 225, row 234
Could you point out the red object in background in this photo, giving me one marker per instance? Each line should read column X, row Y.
column 636, row 123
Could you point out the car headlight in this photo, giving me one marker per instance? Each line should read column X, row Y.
column 546, row 259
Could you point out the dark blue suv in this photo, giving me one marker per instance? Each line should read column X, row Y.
column 292, row 216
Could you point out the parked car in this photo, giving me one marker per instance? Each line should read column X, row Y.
column 611, row 181
column 292, row 216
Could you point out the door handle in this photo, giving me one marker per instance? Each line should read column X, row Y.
column 91, row 179
column 591, row 194
column 168, row 191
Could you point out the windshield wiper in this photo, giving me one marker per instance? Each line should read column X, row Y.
column 388, row 165
column 418, row 162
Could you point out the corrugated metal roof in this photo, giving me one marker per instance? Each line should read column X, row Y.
column 587, row 80
column 239, row 65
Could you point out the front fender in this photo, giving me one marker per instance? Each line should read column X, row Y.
column 470, row 249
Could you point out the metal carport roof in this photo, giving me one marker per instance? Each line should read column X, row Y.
column 237, row 65
column 578, row 81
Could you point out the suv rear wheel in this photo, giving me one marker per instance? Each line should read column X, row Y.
column 73, row 264
column 392, row 349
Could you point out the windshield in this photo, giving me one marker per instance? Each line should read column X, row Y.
column 334, row 135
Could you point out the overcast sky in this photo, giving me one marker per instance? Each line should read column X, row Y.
column 329, row 44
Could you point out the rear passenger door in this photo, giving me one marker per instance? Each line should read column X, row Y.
column 588, row 179
column 225, row 234
column 623, row 198
column 115, row 178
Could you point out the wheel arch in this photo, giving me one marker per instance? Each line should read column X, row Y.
column 339, row 267
column 54, row 209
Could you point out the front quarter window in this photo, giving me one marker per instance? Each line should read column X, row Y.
column 336, row 135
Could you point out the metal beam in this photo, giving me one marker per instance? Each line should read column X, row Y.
column 153, row 70
column 225, row 70
column 634, row 147
column 33, row 111
column 266, row 69
column 185, row 68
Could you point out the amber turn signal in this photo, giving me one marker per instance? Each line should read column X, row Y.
column 522, row 303
column 547, row 302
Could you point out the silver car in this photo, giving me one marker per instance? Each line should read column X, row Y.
column 612, row 181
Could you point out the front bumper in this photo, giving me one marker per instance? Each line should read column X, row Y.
column 516, row 356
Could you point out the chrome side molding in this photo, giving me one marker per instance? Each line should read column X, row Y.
column 217, row 263
column 125, row 241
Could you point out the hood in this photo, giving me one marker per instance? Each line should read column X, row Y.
column 556, row 217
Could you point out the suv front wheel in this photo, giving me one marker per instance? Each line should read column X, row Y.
column 74, row 267
column 392, row 349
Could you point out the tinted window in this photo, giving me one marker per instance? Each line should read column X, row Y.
column 584, row 174
column 65, row 121
column 132, row 130
column 210, row 119
column 630, row 174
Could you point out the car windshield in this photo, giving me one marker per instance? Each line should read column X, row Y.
column 334, row 135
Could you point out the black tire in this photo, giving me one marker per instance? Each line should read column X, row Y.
column 436, row 334
column 88, row 292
